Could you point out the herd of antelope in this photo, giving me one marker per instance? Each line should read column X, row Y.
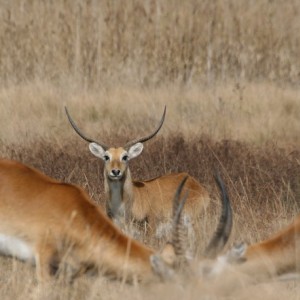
column 50, row 223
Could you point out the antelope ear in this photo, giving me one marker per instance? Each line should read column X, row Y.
column 97, row 150
column 135, row 150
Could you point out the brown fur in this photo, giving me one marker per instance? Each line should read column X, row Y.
column 278, row 255
column 153, row 198
column 46, row 214
column 276, row 258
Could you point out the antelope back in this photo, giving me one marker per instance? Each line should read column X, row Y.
column 159, row 192
column 40, row 214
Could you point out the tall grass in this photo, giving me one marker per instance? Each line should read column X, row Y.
column 149, row 42
column 226, row 69
column 228, row 72
column 254, row 113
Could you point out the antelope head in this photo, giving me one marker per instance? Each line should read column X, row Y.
column 116, row 161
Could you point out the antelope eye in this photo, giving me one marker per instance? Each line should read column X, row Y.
column 106, row 157
column 125, row 157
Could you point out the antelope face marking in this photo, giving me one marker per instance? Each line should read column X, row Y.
column 116, row 159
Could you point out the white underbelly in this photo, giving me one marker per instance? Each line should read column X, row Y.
column 12, row 246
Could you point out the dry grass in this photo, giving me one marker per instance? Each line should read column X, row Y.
column 152, row 42
column 228, row 73
column 255, row 113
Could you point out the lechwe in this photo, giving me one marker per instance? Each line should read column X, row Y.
column 147, row 201
column 276, row 257
column 44, row 221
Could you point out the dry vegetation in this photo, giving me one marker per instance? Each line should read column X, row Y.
column 149, row 42
column 228, row 72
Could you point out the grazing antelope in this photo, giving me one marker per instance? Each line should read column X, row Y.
column 44, row 221
column 147, row 201
column 277, row 256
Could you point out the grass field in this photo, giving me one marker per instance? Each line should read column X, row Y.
column 228, row 72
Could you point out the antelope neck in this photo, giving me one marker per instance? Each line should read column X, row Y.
column 116, row 192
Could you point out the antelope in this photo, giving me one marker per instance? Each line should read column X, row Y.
column 146, row 202
column 276, row 257
column 44, row 221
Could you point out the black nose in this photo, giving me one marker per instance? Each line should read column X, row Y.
column 116, row 172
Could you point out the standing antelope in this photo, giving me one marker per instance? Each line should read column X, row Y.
column 147, row 201
column 44, row 221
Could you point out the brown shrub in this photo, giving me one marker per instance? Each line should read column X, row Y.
column 261, row 176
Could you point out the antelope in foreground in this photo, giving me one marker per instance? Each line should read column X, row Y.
column 278, row 256
column 45, row 221
column 147, row 202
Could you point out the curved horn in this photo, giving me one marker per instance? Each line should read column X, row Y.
column 79, row 132
column 178, row 235
column 174, row 252
column 150, row 136
column 224, row 227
